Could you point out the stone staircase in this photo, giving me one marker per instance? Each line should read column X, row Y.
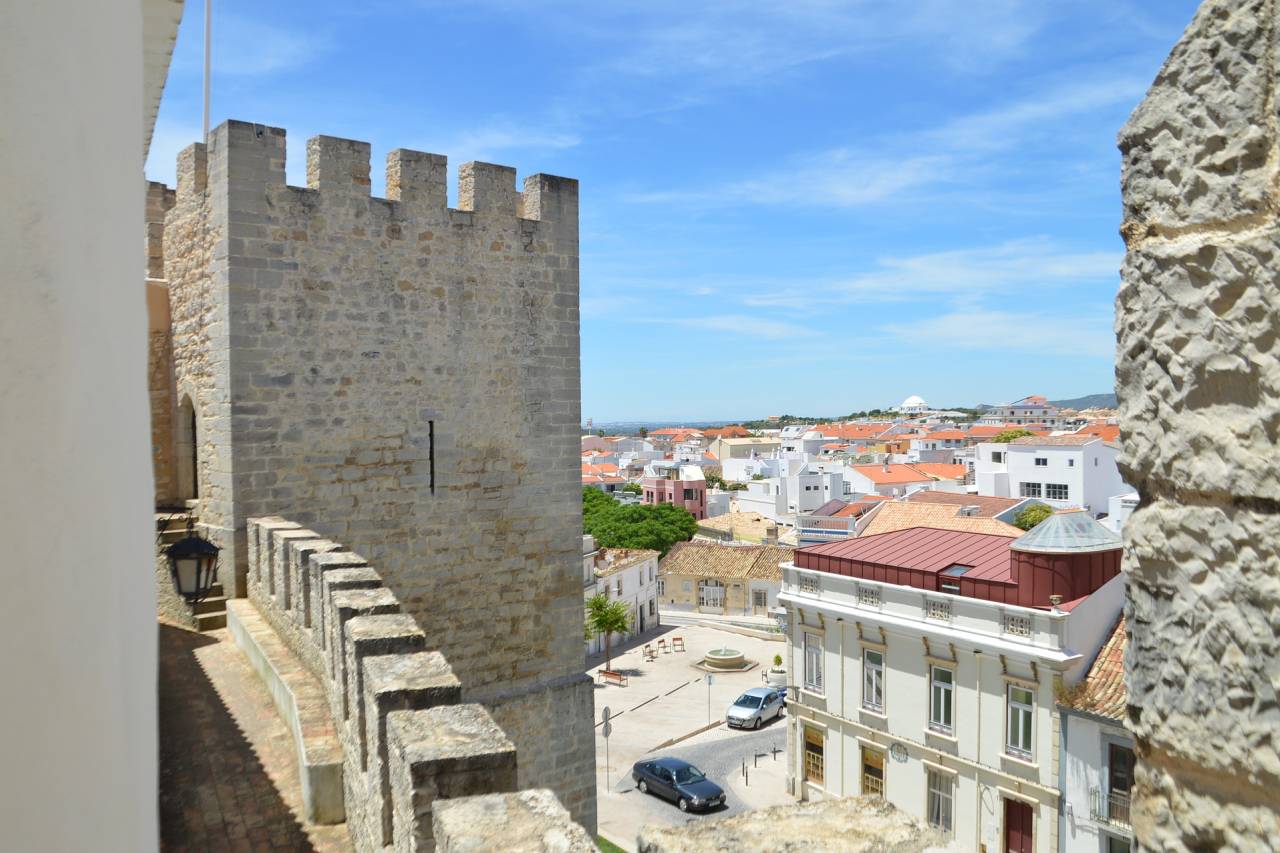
column 211, row 613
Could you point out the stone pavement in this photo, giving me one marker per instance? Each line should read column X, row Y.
column 228, row 767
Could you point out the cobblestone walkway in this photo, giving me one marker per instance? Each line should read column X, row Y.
column 228, row 771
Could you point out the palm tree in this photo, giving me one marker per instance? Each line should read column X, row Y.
column 608, row 618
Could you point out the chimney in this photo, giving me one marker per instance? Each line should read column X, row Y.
column 886, row 464
column 970, row 511
column 771, row 534
column 1055, row 600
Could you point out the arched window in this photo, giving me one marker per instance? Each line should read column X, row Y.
column 188, row 481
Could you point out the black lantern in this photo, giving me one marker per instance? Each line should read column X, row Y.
column 193, row 566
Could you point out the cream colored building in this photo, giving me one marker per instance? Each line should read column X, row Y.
column 721, row 579
column 627, row 575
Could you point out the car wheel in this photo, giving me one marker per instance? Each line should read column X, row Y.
column 756, row 724
column 643, row 786
column 684, row 804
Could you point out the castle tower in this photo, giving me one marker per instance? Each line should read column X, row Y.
column 404, row 378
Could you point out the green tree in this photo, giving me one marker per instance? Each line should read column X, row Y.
column 600, row 433
column 642, row 432
column 1010, row 434
column 633, row 488
column 757, row 476
column 608, row 618
column 1031, row 516
column 653, row 527
column 714, row 481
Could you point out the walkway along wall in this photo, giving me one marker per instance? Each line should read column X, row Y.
column 401, row 377
column 1198, row 379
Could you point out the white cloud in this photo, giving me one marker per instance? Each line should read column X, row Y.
column 1085, row 335
column 248, row 47
column 486, row 141
column 743, row 324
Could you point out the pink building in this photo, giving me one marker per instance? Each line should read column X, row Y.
column 674, row 483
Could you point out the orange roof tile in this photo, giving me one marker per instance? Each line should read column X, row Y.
column 901, row 516
column 1106, row 432
column 1102, row 691
column 896, row 473
column 941, row 470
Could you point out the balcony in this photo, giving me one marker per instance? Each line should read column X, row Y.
column 1110, row 807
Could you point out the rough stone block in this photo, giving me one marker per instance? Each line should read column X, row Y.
column 439, row 754
column 258, row 544
column 1167, row 815
column 298, row 578
column 281, row 589
column 527, row 822
column 318, row 567
column 1197, row 149
column 344, row 605
column 1198, row 371
column 406, row 682
column 1206, row 581
column 368, row 636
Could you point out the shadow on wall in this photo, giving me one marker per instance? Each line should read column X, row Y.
column 214, row 792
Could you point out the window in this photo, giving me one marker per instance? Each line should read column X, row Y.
column 1119, row 783
column 813, row 763
column 688, row 586
column 1021, row 708
column 1042, row 461
column 759, row 598
column 710, row 594
column 813, row 662
column 940, row 801
column 662, row 586
column 1056, row 491
column 617, row 586
column 690, row 495
column 942, row 685
column 873, row 680
column 997, row 456
column 651, row 573
column 1029, row 490
column 872, row 773
column 652, row 607
column 1071, row 463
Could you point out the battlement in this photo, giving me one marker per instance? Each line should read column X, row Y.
column 407, row 739
column 246, row 155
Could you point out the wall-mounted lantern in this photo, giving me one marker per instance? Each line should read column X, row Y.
column 193, row 566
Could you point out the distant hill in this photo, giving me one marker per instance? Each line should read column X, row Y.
column 1090, row 401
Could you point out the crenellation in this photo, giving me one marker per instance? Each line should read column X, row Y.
column 418, row 180
column 487, row 188
column 338, row 167
column 193, row 171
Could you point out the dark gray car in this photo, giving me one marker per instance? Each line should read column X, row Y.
column 678, row 781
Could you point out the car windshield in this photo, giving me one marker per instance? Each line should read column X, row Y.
column 685, row 775
column 745, row 701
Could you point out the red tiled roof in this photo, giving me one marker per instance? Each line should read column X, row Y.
column 861, row 505
column 941, row 470
column 1106, row 432
column 897, row 473
column 985, row 430
column 987, row 506
column 601, row 468
column 851, row 431
column 733, row 431
column 1102, row 691
column 922, row 549
column 943, row 434
column 1070, row 440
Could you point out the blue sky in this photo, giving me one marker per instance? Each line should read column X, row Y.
column 808, row 207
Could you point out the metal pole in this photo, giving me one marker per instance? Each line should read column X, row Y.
column 208, row 17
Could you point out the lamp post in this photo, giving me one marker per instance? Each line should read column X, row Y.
column 193, row 565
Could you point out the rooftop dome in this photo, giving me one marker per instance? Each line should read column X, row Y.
column 914, row 402
column 1069, row 532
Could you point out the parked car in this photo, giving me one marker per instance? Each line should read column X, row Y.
column 678, row 781
column 754, row 708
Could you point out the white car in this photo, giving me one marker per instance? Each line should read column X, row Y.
column 754, row 708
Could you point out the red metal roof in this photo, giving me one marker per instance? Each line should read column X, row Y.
column 922, row 549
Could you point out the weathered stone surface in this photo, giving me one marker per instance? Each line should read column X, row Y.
column 1209, row 586
column 527, row 822
column 443, row 753
column 1199, row 367
column 1196, row 149
column 854, row 824
column 1199, row 388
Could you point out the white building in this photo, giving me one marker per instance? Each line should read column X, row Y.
column 895, row 480
column 1097, row 758
column 1029, row 410
column 1064, row 471
column 933, row 691
column 623, row 575
column 913, row 405
column 800, row 487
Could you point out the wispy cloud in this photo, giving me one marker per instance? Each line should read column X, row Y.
column 1084, row 335
column 491, row 138
column 252, row 47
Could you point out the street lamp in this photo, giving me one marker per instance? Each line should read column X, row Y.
column 193, row 566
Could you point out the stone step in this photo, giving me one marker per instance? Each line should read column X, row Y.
column 212, row 604
column 211, row 621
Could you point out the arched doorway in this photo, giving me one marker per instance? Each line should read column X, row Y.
column 188, row 481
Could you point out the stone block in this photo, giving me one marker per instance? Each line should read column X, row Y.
column 369, row 636
column 440, row 754
column 298, row 578
column 1205, row 580
column 526, row 822
column 318, row 567
column 281, row 590
column 1198, row 372
column 342, row 606
column 404, row 682
column 258, row 544
column 1197, row 149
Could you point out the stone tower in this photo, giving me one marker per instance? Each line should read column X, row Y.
column 404, row 378
column 1198, row 377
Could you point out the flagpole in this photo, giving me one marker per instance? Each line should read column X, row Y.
column 208, row 16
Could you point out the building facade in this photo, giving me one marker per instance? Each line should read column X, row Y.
column 724, row 580
column 676, row 483
column 629, row 576
column 932, row 683
column 1063, row 471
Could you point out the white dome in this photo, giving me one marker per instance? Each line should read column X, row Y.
column 914, row 402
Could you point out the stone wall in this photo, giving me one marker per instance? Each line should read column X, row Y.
column 160, row 377
column 408, row 741
column 1199, row 385
column 401, row 377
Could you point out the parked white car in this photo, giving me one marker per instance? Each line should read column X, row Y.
column 754, row 708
